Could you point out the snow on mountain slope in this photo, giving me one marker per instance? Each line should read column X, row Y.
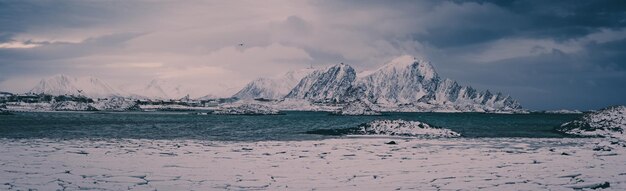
column 207, row 97
column 326, row 85
column 273, row 88
column 79, row 86
column 401, row 81
column 162, row 89
column 409, row 80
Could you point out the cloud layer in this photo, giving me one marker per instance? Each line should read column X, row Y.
column 547, row 54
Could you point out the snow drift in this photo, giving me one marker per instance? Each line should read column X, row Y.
column 607, row 122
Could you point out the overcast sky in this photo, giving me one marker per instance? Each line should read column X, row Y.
column 546, row 54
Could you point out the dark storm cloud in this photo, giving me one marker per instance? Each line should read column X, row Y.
column 491, row 20
column 22, row 16
column 590, row 78
column 555, row 80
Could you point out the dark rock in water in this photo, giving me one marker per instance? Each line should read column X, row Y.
column 391, row 143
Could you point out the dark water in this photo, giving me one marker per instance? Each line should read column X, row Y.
column 292, row 126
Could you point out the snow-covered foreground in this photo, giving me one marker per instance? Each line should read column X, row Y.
column 336, row 164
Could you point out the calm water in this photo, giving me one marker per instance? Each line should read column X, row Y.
column 291, row 126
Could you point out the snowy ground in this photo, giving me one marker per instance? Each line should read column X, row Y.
column 336, row 164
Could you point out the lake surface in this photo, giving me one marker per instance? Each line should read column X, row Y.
column 292, row 126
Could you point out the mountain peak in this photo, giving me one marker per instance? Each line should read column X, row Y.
column 273, row 88
column 62, row 84
column 325, row 85
column 419, row 65
column 162, row 89
column 413, row 80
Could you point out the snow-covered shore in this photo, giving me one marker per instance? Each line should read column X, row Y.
column 335, row 164
column 112, row 104
column 607, row 122
column 247, row 109
column 357, row 108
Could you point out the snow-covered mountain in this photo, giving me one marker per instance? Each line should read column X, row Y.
column 162, row 89
column 403, row 84
column 413, row 81
column 78, row 86
column 326, row 85
column 273, row 88
column 403, row 80
column 207, row 97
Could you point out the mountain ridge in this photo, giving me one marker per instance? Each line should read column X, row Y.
column 272, row 88
column 331, row 84
column 405, row 83
column 88, row 86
